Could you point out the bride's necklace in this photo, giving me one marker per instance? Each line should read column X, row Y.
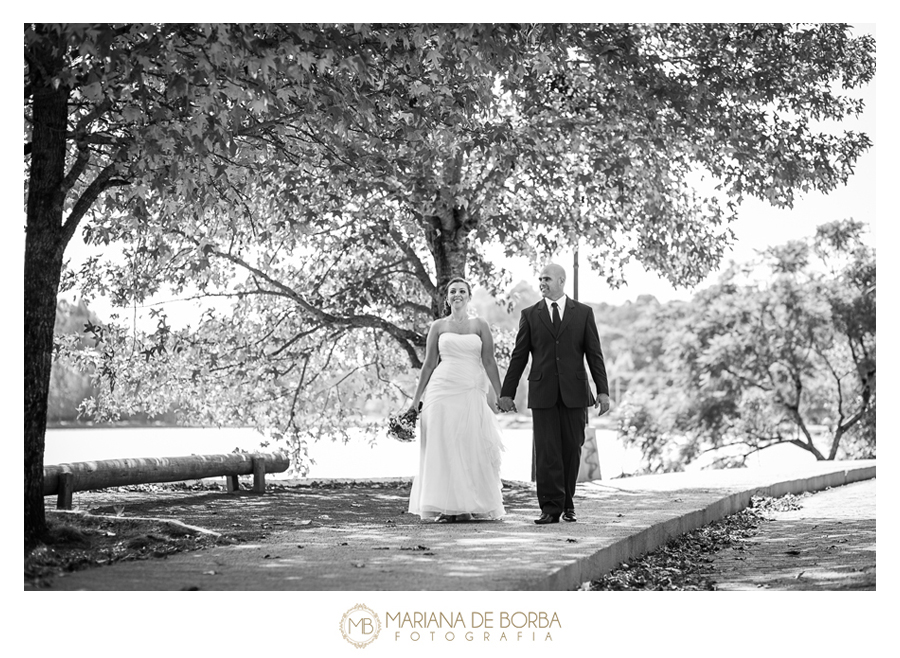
column 459, row 322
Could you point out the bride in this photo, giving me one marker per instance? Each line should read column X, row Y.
column 459, row 459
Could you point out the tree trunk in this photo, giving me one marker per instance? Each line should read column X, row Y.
column 448, row 240
column 43, row 265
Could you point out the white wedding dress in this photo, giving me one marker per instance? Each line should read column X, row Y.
column 459, row 459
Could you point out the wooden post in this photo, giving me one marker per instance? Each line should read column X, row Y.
column 589, row 468
column 259, row 474
column 575, row 275
column 64, row 493
column 232, row 484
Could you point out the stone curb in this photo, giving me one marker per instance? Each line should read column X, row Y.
column 649, row 539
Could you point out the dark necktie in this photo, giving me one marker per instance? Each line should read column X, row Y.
column 556, row 320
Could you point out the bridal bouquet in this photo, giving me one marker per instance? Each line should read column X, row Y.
column 403, row 426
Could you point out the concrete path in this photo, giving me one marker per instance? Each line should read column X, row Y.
column 347, row 549
column 828, row 544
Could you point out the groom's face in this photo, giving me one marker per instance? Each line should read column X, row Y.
column 551, row 283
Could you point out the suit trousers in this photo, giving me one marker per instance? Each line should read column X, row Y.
column 558, row 437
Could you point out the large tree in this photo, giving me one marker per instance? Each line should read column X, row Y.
column 192, row 144
column 155, row 112
column 779, row 352
column 329, row 180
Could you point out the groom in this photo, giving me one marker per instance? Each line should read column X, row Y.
column 559, row 334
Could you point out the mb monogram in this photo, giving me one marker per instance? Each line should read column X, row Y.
column 360, row 626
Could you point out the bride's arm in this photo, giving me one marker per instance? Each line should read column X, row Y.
column 431, row 361
column 487, row 355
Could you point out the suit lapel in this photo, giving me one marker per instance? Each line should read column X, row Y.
column 544, row 313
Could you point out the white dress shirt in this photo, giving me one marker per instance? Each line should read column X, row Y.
column 561, row 302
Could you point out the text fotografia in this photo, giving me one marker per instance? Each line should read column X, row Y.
column 481, row 626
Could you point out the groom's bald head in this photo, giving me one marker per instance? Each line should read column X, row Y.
column 552, row 281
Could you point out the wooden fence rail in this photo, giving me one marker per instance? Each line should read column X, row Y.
column 63, row 480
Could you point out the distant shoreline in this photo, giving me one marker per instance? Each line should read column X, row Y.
column 85, row 425
column 517, row 421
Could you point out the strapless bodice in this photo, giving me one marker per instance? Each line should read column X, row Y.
column 461, row 346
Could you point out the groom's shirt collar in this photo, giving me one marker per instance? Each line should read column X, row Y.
column 561, row 302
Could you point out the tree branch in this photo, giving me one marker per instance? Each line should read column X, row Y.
column 407, row 339
column 808, row 444
column 749, row 382
column 78, row 167
column 103, row 182
column 421, row 273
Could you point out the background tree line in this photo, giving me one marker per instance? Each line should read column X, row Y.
column 778, row 351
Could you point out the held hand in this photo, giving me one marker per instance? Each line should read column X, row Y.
column 507, row 404
column 602, row 403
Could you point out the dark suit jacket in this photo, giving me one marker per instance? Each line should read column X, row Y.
column 557, row 362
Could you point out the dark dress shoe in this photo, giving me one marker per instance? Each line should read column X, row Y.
column 547, row 518
column 569, row 515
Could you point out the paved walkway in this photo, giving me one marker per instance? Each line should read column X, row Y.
column 352, row 539
column 828, row 544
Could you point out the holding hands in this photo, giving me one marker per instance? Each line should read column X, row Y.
column 602, row 403
column 506, row 404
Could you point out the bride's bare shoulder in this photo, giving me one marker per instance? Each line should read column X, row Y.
column 437, row 327
column 481, row 326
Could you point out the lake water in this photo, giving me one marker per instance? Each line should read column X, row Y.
column 355, row 459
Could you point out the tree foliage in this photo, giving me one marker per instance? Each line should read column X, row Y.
column 70, row 385
column 782, row 352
